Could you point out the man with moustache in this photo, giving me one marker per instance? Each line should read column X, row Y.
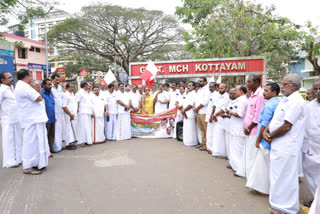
column 161, row 100
column 124, row 120
column 11, row 130
column 210, row 125
column 111, row 114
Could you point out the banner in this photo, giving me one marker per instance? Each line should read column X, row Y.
column 161, row 125
column 6, row 64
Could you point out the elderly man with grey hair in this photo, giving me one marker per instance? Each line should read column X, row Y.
column 285, row 134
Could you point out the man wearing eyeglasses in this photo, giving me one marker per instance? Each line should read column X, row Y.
column 285, row 134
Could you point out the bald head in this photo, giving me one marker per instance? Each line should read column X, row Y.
column 222, row 88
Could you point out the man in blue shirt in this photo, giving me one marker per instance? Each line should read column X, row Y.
column 258, row 179
column 49, row 103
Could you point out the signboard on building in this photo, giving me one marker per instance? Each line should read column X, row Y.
column 62, row 74
column 39, row 67
column 6, row 64
column 200, row 68
column 83, row 73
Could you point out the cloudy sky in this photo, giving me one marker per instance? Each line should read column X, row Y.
column 298, row 11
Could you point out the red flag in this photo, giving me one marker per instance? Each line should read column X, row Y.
column 149, row 74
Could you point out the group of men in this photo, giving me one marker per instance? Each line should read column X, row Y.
column 267, row 140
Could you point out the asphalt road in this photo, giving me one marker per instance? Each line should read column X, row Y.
column 139, row 176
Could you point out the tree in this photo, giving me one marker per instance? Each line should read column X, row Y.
column 234, row 28
column 116, row 33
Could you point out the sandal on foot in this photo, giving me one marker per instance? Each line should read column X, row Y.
column 276, row 212
column 32, row 171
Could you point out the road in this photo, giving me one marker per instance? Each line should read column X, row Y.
column 138, row 176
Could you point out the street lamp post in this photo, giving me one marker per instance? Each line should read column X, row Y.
column 46, row 41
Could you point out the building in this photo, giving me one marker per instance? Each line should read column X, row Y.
column 28, row 54
column 304, row 69
column 14, row 29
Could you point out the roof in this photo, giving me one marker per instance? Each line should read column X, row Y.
column 22, row 38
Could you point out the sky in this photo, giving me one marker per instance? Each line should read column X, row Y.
column 297, row 11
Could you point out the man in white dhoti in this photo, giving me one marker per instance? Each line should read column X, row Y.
column 161, row 100
column 237, row 111
column 179, row 121
column 311, row 142
column 135, row 99
column 57, row 95
column 200, row 108
column 111, row 114
column 70, row 108
column 219, row 149
column 189, row 120
column 124, row 120
column 259, row 178
column 210, row 125
column 11, row 130
column 315, row 207
column 33, row 118
column 173, row 97
column 285, row 133
column 84, row 116
column 251, row 119
column 97, row 125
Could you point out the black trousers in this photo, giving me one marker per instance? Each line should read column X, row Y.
column 51, row 131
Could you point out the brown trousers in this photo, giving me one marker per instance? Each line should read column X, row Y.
column 51, row 131
column 203, row 127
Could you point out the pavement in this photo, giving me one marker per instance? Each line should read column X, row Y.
column 137, row 176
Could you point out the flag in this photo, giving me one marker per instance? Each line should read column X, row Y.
column 211, row 79
column 109, row 78
column 149, row 74
column 219, row 79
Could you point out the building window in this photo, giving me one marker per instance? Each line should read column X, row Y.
column 38, row 50
column 33, row 34
column 22, row 53
column 31, row 49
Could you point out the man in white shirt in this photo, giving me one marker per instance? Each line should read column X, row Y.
column 111, row 114
column 70, row 108
column 219, row 149
column 124, row 121
column 140, row 89
column 103, row 92
column 161, row 100
column 173, row 96
column 210, row 125
column 135, row 99
column 189, row 120
column 33, row 118
column 97, row 122
column 285, row 133
column 84, row 116
column 11, row 130
column 311, row 142
column 200, row 108
column 57, row 96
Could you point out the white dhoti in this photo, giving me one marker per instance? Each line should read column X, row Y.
column 11, row 144
column 248, row 157
column 219, row 142
column 124, row 126
column 71, row 135
column 35, row 147
column 111, row 126
column 259, row 178
column 284, row 184
column 300, row 167
column 311, row 170
column 84, row 129
column 227, row 140
column 58, row 129
column 97, row 127
column 190, row 132
column 237, row 144
column 315, row 207
column 210, row 131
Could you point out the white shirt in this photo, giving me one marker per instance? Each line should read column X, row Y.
column 162, row 96
column 103, row 95
column 135, row 98
column 8, row 105
column 290, row 109
column 311, row 141
column 203, row 97
column 31, row 111
column 191, row 99
column 69, row 101
column 84, row 100
column 57, row 96
column 212, row 98
column 221, row 103
column 173, row 96
column 236, row 124
column 125, row 98
column 98, row 104
column 112, row 103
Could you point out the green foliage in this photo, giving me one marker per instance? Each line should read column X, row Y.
column 234, row 28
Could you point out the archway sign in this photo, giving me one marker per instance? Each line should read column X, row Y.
column 201, row 68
